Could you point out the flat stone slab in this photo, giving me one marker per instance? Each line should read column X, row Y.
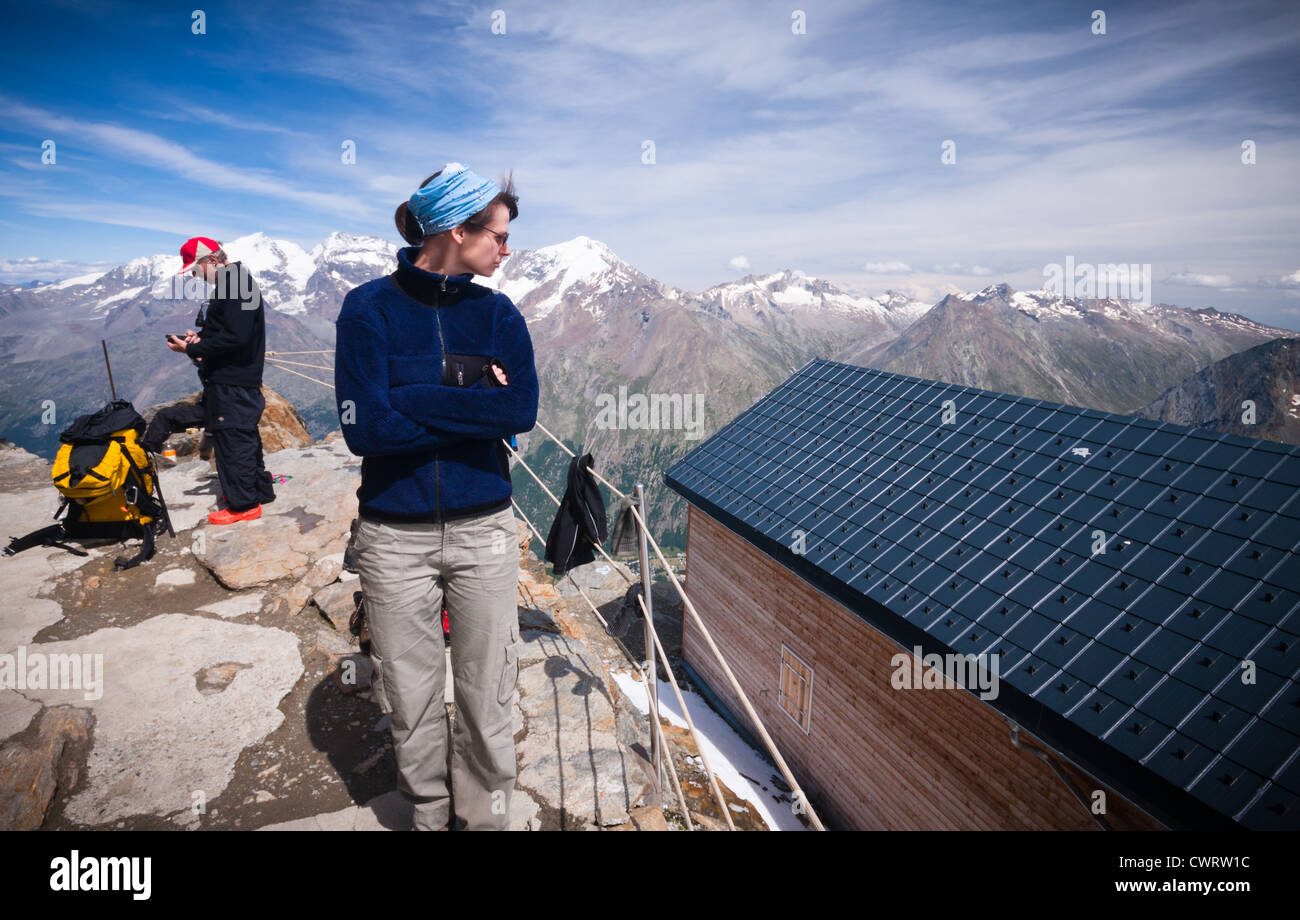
column 23, row 576
column 309, row 519
column 391, row 812
column 236, row 606
column 175, row 577
column 182, row 695
column 16, row 712
column 596, row 782
column 571, row 758
column 387, row 812
column 560, row 695
column 22, row 579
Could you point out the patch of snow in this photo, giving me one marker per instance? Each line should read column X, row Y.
column 79, row 281
column 128, row 294
column 728, row 755
column 1046, row 305
column 175, row 577
column 794, row 295
column 236, row 606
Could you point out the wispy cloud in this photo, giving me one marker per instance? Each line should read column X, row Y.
column 1201, row 280
column 818, row 147
column 155, row 150
column 179, row 110
column 33, row 268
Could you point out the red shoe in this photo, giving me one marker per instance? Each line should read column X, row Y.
column 226, row 516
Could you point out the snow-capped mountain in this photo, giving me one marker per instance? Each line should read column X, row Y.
column 810, row 315
column 342, row 261
column 343, row 255
column 281, row 268
column 1110, row 354
column 581, row 272
column 596, row 320
column 1043, row 304
column 96, row 295
column 794, row 292
column 294, row 282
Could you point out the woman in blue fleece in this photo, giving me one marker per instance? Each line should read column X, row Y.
column 431, row 372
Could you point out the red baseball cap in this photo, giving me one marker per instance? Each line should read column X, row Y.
column 194, row 249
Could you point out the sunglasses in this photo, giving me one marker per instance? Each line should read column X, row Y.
column 501, row 237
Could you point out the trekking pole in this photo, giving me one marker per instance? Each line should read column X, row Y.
column 166, row 512
column 112, row 389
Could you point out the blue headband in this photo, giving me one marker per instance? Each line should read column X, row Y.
column 454, row 195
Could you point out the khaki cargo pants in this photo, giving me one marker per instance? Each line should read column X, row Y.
column 405, row 570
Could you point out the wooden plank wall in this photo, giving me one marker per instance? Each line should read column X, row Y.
column 875, row 757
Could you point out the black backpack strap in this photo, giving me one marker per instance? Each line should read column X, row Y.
column 146, row 549
column 144, row 499
column 47, row 536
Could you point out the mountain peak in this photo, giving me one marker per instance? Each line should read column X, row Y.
column 578, row 259
column 581, row 266
column 578, row 248
column 793, row 291
column 345, row 247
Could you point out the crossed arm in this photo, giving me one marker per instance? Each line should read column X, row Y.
column 378, row 419
column 481, row 411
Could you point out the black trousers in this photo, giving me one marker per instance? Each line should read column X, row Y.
column 170, row 420
column 230, row 414
column 240, row 470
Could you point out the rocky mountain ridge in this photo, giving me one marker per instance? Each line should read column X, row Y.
column 605, row 334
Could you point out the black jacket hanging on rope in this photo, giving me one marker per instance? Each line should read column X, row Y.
column 623, row 538
column 580, row 520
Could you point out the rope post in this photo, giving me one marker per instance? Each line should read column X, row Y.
column 651, row 676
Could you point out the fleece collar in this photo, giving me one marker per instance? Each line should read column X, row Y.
column 426, row 286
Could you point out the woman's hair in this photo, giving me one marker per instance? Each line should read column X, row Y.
column 409, row 227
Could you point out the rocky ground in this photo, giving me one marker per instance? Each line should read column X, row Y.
column 233, row 695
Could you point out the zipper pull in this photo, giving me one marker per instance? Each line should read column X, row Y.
column 443, row 282
column 460, row 374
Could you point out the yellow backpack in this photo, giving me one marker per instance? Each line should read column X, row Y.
column 108, row 484
column 106, row 479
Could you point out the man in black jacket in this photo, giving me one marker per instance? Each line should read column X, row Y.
column 229, row 349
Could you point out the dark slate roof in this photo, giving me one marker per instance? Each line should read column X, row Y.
column 976, row 536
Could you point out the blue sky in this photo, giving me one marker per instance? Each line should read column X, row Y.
column 817, row 151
